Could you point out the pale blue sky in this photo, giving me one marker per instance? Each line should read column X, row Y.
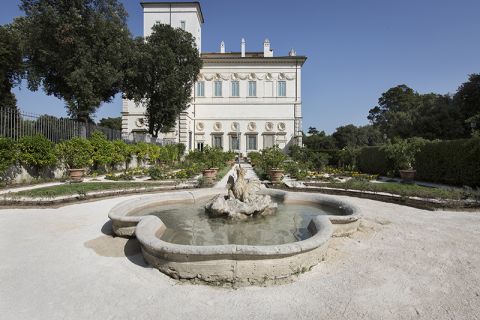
column 356, row 49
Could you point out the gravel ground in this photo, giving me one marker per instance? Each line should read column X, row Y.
column 404, row 263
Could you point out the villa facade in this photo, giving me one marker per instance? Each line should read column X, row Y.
column 242, row 101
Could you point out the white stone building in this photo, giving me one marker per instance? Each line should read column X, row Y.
column 242, row 101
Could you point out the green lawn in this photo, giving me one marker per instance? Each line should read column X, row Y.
column 407, row 190
column 82, row 189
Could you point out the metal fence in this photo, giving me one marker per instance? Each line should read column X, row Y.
column 16, row 124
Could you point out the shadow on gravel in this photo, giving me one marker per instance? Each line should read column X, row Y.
column 108, row 245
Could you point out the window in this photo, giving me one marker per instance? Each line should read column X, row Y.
column 282, row 88
column 218, row 88
column 268, row 141
column 252, row 88
column 251, row 142
column 217, row 141
column 183, row 25
column 200, row 146
column 235, row 89
column 234, row 143
column 201, row 88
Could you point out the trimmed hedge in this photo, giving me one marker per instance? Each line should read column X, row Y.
column 373, row 160
column 455, row 162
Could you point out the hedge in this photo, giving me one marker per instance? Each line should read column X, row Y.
column 373, row 160
column 453, row 162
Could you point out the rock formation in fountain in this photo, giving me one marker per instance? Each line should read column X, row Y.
column 242, row 200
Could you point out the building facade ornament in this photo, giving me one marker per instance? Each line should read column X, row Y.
column 217, row 126
column 200, row 126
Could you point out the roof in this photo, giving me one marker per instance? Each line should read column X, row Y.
column 250, row 57
column 176, row 3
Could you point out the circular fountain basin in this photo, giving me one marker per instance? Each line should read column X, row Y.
column 179, row 239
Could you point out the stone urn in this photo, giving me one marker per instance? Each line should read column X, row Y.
column 276, row 175
column 209, row 175
column 76, row 175
column 407, row 175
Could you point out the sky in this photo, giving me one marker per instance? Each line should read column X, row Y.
column 356, row 49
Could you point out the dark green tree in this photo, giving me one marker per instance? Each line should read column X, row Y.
column 437, row 117
column 319, row 141
column 161, row 74
column 352, row 136
column 467, row 99
column 112, row 123
column 11, row 65
column 394, row 114
column 75, row 50
column 312, row 130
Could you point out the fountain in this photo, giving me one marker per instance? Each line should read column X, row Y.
column 242, row 200
column 235, row 236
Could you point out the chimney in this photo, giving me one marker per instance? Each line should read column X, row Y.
column 222, row 47
column 242, row 47
column 266, row 49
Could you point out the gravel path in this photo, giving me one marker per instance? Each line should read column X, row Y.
column 404, row 263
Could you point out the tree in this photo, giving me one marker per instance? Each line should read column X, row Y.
column 319, row 141
column 112, row 123
column 352, row 136
column 467, row 99
column 393, row 115
column 161, row 75
column 312, row 130
column 11, row 65
column 75, row 50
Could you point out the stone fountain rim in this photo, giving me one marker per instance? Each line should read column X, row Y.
column 149, row 227
column 124, row 224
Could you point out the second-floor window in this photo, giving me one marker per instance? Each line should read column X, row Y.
column 201, row 88
column 235, row 89
column 252, row 88
column 282, row 88
column 218, row 88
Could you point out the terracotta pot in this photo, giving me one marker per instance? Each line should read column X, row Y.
column 209, row 175
column 76, row 174
column 276, row 175
column 215, row 172
column 407, row 175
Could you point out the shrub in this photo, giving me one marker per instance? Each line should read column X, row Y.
column 8, row 155
column 158, row 173
column 103, row 150
column 347, row 158
column 455, row 162
column 373, row 160
column 402, row 152
column 141, row 150
column 122, row 153
column 37, row 151
column 272, row 158
column 214, row 157
column 76, row 153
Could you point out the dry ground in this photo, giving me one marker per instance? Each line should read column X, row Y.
column 404, row 263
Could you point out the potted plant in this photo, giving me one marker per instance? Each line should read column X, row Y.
column 272, row 160
column 402, row 154
column 76, row 154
